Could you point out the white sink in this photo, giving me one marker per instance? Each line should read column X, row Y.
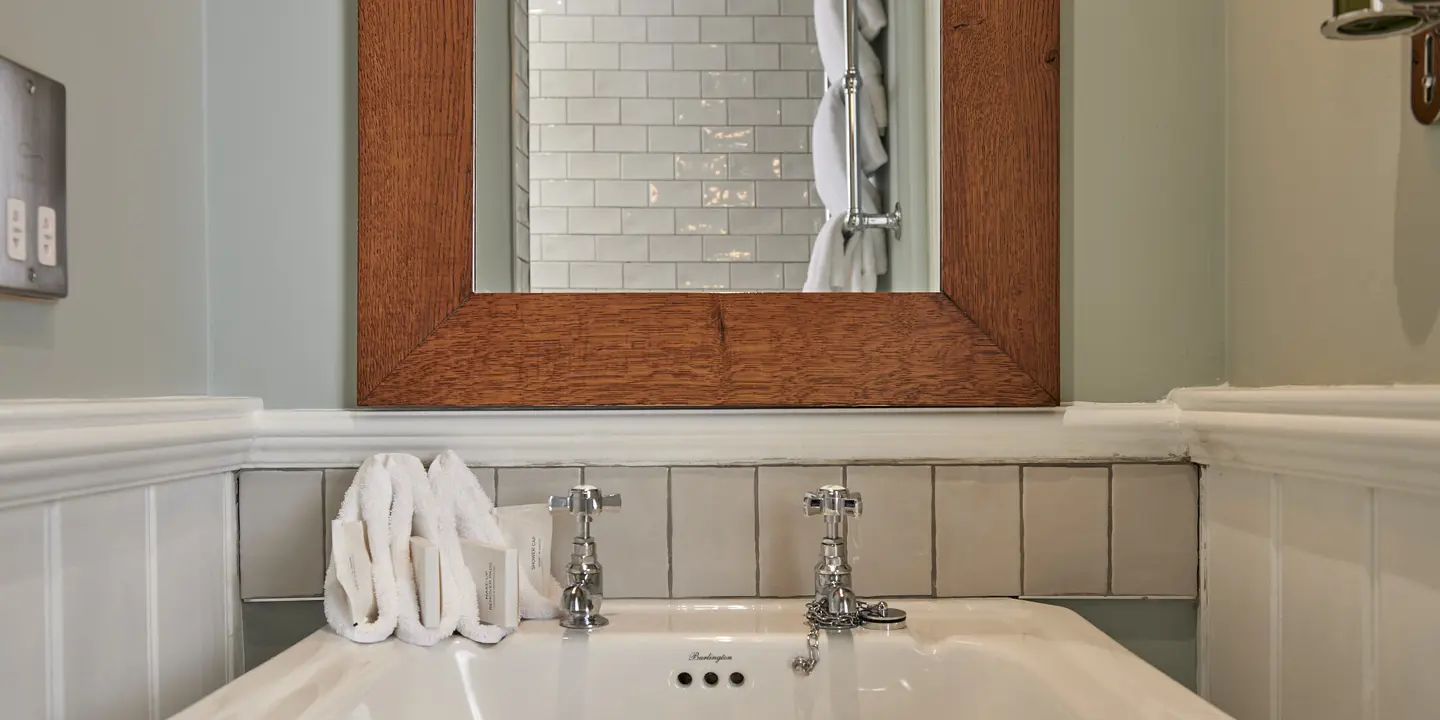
column 959, row 659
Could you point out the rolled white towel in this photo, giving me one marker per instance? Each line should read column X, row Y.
column 417, row 511
column 476, row 520
column 368, row 500
column 448, row 491
column 828, row 150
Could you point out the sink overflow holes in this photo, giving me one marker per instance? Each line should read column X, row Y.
column 685, row 679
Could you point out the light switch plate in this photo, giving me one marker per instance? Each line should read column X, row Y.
column 32, row 173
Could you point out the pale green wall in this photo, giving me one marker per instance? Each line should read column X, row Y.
column 1334, row 206
column 135, row 321
column 1143, row 140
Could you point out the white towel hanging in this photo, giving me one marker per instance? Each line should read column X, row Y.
column 830, row 34
column 829, row 150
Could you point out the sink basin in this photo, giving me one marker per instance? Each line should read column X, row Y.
column 960, row 659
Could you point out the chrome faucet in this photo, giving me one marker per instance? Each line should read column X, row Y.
column 584, row 591
column 832, row 573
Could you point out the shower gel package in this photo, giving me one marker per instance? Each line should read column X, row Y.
column 528, row 529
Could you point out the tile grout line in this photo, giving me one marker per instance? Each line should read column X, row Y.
column 1020, row 495
column 1110, row 530
column 670, row 532
column 54, row 613
column 934, row 542
column 152, row 600
column 755, row 497
column 1277, row 557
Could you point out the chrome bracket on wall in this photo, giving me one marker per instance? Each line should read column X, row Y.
column 1418, row 19
column 1424, row 96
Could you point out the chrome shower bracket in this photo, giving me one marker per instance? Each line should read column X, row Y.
column 1418, row 20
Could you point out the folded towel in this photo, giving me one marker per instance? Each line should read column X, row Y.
column 829, row 150
column 368, row 500
column 830, row 33
column 476, row 520
column 416, row 511
column 448, row 487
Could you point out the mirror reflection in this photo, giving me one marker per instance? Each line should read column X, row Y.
column 699, row 146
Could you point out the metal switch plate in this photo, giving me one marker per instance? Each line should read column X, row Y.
column 32, row 183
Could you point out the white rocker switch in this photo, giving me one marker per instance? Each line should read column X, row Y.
column 15, row 246
column 45, row 236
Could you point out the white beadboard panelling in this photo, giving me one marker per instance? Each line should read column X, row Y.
column 23, row 620
column 1324, row 581
column 190, row 542
column 1236, row 608
column 106, row 639
column 1408, row 632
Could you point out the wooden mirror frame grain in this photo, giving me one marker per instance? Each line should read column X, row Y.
column 991, row 339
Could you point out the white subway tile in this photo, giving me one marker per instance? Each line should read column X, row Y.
column 757, row 276
column 729, row 248
column 800, row 57
column 699, row 7
column 752, row 56
column 803, row 222
column 674, row 139
column 754, row 112
column 622, row 248
column 638, row 111
column 567, row 247
column 647, row 166
column 782, row 248
column 781, row 30
column 645, row 7
column 799, row 112
column 593, row 111
column 728, row 194
column 592, row 7
column 564, row 29
column 727, row 29
column 701, row 167
column 781, row 84
column 701, row 112
column 619, row 138
column 752, row 166
column 674, row 194
column 676, row 248
column 702, row 276
column 547, row 56
column 644, row 221
column 597, row 275
column 702, row 222
column 700, row 57
column 753, row 7
column 594, row 166
column 547, row 111
column 672, row 29
column 720, row 139
column 548, row 220
column 756, row 222
column 548, row 166
column 567, row 193
column 621, row 194
column 782, row 193
column 619, row 29
column 797, row 7
column 816, row 86
column 595, row 221
column 567, row 83
column 650, row 276
column 674, row 84
column 796, row 274
column 549, row 274
column 592, row 56
column 547, row 7
column 798, row 166
column 728, row 84
column 567, row 138
column 619, row 83
column 647, row 56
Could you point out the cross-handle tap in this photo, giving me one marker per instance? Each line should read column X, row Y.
column 832, row 573
column 584, row 591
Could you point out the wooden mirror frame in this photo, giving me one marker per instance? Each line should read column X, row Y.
column 990, row 339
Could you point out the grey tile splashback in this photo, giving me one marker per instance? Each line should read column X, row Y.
column 947, row 531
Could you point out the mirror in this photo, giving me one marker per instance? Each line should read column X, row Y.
column 670, row 146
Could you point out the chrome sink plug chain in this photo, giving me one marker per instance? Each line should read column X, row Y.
column 818, row 617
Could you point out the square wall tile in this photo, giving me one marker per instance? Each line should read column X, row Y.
column 789, row 540
column 1066, row 512
column 712, row 525
column 634, row 544
column 977, row 531
column 533, row 486
column 282, row 533
column 890, row 544
column 1154, row 548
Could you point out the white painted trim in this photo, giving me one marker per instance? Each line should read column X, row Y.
column 1094, row 433
column 56, row 449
